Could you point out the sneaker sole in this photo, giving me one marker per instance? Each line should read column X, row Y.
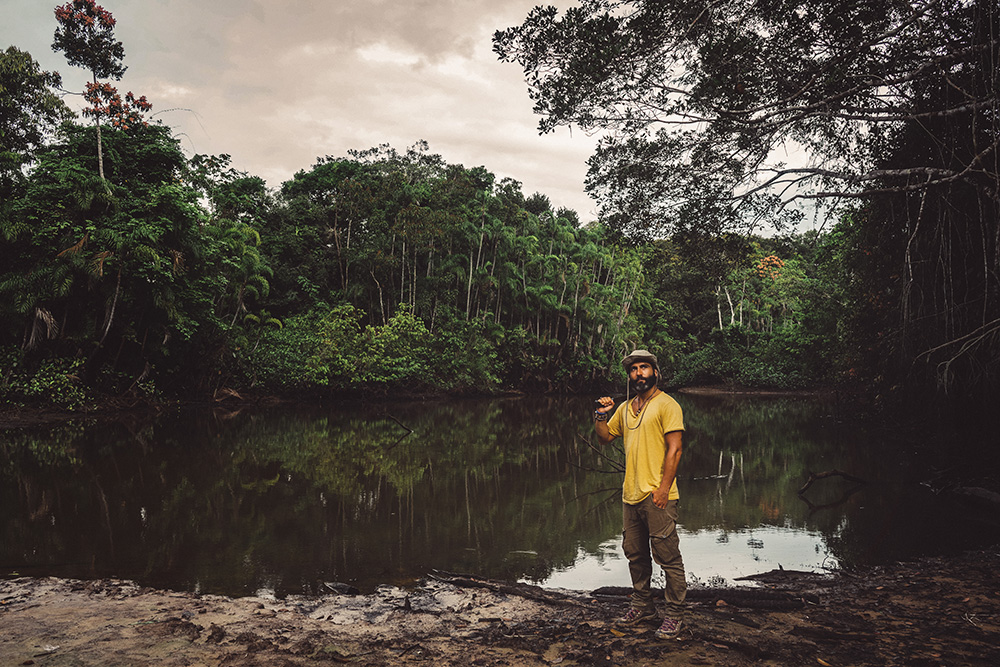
column 638, row 621
column 663, row 636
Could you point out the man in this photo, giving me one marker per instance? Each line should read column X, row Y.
column 651, row 425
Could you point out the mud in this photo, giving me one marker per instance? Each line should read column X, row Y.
column 943, row 611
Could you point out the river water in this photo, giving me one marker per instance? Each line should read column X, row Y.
column 282, row 500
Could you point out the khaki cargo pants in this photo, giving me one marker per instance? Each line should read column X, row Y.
column 650, row 533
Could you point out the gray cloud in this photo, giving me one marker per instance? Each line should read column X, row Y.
column 278, row 83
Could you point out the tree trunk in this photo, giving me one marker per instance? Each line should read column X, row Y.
column 402, row 273
column 718, row 304
column 381, row 304
column 468, row 289
column 100, row 148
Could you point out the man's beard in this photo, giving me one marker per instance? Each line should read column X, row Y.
column 641, row 384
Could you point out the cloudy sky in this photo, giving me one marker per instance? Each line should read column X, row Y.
column 278, row 83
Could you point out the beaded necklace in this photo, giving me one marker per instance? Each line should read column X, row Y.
column 640, row 413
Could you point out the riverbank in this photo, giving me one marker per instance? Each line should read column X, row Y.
column 935, row 611
column 41, row 414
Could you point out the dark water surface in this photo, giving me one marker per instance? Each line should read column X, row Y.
column 281, row 500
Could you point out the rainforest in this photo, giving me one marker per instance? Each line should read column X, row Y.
column 135, row 273
column 328, row 395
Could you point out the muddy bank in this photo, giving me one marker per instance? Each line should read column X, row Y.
column 940, row 611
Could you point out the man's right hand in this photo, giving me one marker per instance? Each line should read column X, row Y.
column 605, row 404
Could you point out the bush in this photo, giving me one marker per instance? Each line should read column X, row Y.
column 466, row 357
column 55, row 382
column 735, row 355
column 398, row 353
column 318, row 349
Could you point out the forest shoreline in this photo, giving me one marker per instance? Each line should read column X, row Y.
column 40, row 414
column 932, row 611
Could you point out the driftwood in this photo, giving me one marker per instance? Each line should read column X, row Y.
column 341, row 588
column 409, row 432
column 979, row 496
column 523, row 590
column 781, row 575
column 747, row 598
column 750, row 598
column 814, row 476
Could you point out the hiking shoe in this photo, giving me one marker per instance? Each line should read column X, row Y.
column 669, row 629
column 636, row 615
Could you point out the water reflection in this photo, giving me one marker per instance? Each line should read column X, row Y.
column 288, row 498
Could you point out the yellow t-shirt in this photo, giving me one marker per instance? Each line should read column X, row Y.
column 645, row 447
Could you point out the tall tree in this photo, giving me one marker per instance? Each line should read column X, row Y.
column 86, row 36
column 122, row 273
column 891, row 102
column 702, row 101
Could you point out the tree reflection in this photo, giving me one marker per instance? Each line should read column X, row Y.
column 287, row 498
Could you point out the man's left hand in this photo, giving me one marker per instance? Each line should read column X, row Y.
column 660, row 497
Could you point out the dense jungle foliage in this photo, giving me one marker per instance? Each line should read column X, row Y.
column 133, row 270
column 715, row 116
column 379, row 271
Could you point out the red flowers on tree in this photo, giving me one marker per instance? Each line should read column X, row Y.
column 108, row 104
column 86, row 35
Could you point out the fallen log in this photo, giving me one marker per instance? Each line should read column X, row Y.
column 751, row 598
column 857, row 482
column 523, row 590
column 978, row 496
column 815, row 476
column 780, row 575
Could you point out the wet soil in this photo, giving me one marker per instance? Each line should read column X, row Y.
column 939, row 611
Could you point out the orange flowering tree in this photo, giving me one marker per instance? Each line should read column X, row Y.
column 770, row 267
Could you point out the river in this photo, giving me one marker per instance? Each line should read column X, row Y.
column 285, row 499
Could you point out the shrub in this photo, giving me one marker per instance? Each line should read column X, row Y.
column 55, row 382
column 466, row 356
column 397, row 353
column 317, row 349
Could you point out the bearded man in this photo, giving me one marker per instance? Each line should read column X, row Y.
column 651, row 426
